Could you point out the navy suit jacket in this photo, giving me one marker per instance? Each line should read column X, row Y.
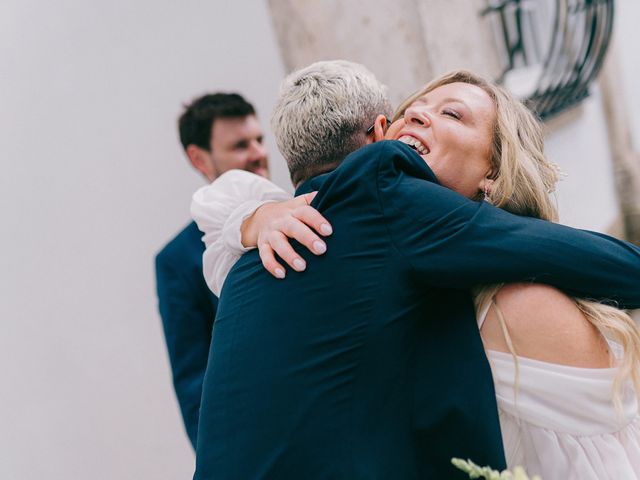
column 188, row 309
column 369, row 365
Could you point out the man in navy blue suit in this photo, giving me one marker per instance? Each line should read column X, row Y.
column 219, row 132
column 369, row 365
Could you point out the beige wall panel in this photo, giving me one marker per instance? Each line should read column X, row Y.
column 390, row 38
column 456, row 36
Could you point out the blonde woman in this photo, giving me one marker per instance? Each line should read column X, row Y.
column 565, row 370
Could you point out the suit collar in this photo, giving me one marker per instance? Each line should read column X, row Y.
column 314, row 183
column 419, row 167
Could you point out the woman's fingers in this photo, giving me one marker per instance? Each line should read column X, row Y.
column 293, row 219
column 269, row 260
column 279, row 242
column 308, row 197
column 298, row 230
column 310, row 216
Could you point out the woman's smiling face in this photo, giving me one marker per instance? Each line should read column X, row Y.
column 451, row 127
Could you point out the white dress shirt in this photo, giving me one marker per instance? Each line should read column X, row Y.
column 219, row 210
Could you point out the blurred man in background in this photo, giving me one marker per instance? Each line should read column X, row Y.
column 218, row 132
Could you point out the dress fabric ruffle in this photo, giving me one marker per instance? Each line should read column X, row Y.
column 561, row 422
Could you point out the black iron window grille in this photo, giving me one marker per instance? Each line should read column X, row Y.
column 552, row 49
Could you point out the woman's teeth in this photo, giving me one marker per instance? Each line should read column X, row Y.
column 415, row 143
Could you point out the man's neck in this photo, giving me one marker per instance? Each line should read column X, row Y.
column 319, row 171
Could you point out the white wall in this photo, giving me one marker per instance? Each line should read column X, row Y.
column 578, row 142
column 93, row 183
column 627, row 39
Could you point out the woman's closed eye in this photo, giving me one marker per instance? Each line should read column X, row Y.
column 452, row 113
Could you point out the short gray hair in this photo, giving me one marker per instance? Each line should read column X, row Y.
column 322, row 115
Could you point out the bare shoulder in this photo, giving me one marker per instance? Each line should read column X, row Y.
column 532, row 303
column 545, row 324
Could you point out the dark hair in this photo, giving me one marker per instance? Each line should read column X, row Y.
column 197, row 119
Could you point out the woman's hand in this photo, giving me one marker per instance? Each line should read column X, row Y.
column 273, row 224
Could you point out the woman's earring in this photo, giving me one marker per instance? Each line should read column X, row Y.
column 486, row 193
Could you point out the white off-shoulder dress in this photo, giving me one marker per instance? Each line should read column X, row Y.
column 560, row 423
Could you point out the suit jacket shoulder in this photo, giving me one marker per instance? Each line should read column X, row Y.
column 361, row 169
column 187, row 308
column 181, row 258
column 186, row 246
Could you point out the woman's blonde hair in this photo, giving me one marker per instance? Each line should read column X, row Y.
column 523, row 182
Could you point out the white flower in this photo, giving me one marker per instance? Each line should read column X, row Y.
column 476, row 471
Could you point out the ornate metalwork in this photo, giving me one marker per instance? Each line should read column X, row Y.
column 553, row 49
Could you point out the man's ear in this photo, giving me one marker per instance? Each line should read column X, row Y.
column 380, row 128
column 199, row 158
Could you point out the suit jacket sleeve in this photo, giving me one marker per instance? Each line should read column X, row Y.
column 187, row 317
column 450, row 241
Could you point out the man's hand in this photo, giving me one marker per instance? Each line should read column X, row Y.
column 272, row 225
